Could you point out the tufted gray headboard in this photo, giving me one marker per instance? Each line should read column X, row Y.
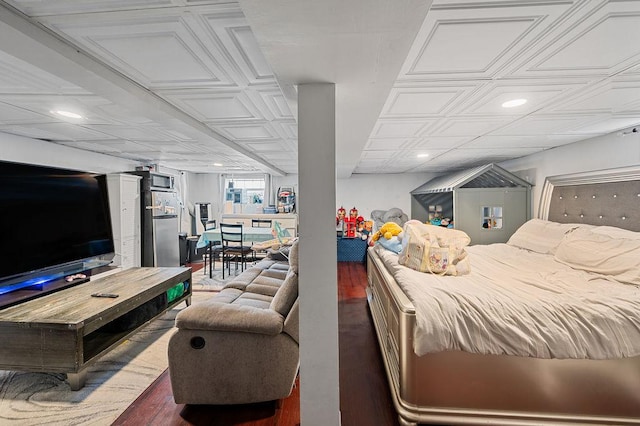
column 605, row 197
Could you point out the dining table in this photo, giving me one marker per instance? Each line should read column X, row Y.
column 250, row 234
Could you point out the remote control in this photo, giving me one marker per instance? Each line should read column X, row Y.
column 111, row 295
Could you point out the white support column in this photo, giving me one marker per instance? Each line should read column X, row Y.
column 318, row 293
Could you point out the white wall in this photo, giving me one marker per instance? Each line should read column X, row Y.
column 205, row 187
column 33, row 151
column 369, row 192
column 604, row 152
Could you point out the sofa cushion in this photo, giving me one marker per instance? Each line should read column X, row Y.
column 268, row 290
column 292, row 322
column 212, row 315
column 286, row 295
column 275, row 272
column 254, row 299
column 263, row 279
column 280, row 267
column 293, row 256
column 227, row 295
column 244, row 279
column 268, row 263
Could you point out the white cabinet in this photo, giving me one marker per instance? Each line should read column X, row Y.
column 124, row 202
column 288, row 221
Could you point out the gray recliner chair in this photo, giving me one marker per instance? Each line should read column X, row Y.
column 241, row 346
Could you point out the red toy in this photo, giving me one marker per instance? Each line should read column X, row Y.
column 349, row 227
column 340, row 217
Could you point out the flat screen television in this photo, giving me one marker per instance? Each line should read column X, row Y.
column 53, row 222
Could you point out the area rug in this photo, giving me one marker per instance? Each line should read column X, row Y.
column 113, row 382
column 202, row 282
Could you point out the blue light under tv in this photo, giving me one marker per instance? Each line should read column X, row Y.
column 31, row 283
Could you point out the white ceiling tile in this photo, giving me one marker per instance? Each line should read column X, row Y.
column 40, row 7
column 466, row 126
column 419, row 102
column 545, row 124
column 538, row 95
column 454, row 46
column 575, row 62
column 264, row 146
column 387, row 143
column 608, row 125
column 439, row 142
column 248, row 131
column 399, row 128
column 539, row 141
column 609, row 97
column 377, row 155
column 247, row 45
column 159, row 48
column 586, row 50
column 56, row 132
column 148, row 53
column 470, row 40
column 12, row 114
column 592, row 41
column 131, row 133
column 276, row 102
column 231, row 30
column 215, row 105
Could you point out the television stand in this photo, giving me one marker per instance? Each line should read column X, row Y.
column 67, row 331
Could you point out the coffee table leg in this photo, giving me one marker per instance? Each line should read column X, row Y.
column 77, row 380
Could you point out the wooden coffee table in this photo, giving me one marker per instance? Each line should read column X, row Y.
column 67, row 331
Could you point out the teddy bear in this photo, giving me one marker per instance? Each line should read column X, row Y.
column 389, row 236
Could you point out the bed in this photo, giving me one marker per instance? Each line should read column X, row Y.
column 521, row 371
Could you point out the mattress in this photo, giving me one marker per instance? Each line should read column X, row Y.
column 522, row 303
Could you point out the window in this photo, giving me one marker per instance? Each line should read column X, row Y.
column 492, row 217
column 244, row 194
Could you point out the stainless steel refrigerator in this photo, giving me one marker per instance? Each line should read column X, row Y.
column 160, row 223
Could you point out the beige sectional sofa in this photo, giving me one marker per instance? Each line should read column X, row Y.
column 241, row 346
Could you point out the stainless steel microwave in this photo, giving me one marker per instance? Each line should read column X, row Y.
column 153, row 181
column 160, row 182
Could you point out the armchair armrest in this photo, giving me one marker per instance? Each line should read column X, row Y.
column 229, row 317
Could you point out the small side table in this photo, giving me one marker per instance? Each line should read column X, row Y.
column 352, row 249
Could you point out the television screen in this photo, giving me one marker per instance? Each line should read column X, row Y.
column 51, row 221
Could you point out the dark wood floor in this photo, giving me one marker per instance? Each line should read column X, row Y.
column 364, row 392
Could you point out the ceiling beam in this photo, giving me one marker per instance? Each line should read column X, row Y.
column 360, row 45
column 29, row 41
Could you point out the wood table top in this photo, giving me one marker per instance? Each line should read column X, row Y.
column 74, row 306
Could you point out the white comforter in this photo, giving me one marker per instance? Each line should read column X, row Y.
column 518, row 302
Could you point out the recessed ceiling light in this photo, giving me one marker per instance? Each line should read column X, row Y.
column 67, row 114
column 217, row 164
column 423, row 155
column 514, row 103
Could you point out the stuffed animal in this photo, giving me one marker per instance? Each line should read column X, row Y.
column 388, row 230
column 389, row 236
column 367, row 230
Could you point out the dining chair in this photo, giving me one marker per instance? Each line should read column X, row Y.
column 232, row 246
column 213, row 251
column 259, row 223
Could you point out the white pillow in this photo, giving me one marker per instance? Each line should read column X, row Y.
column 541, row 236
column 595, row 252
column 614, row 232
